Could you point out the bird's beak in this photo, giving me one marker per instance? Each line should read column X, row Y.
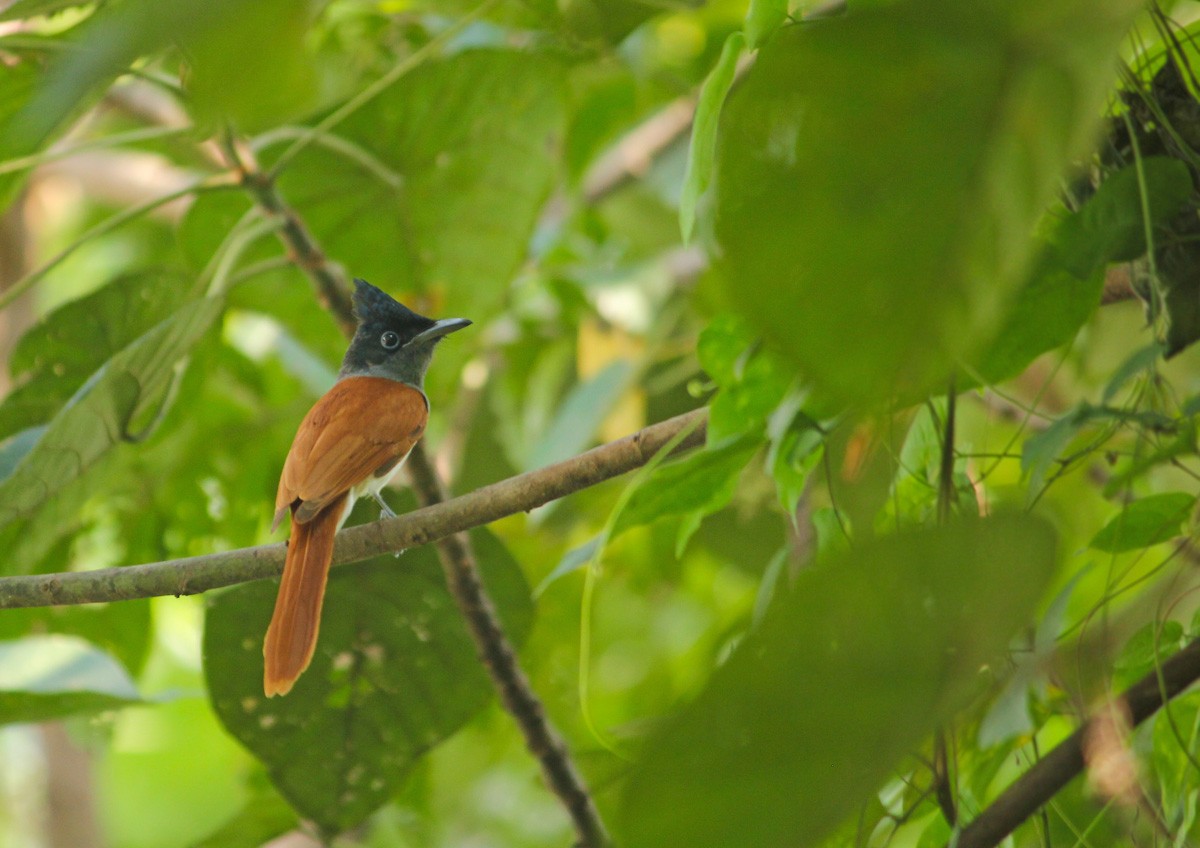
column 440, row 328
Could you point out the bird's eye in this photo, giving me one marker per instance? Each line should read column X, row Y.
column 389, row 340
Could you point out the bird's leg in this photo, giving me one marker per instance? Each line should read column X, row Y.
column 385, row 511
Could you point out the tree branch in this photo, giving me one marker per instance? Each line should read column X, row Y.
column 1054, row 771
column 193, row 575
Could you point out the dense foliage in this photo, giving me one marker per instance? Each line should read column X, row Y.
column 941, row 518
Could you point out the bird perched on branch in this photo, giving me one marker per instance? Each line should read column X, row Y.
column 349, row 445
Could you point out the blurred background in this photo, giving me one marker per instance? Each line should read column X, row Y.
column 527, row 165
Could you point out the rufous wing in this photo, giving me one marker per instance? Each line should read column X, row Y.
column 359, row 429
column 360, row 426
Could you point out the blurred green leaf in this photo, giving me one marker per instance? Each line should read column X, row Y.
column 581, row 413
column 1147, row 521
column 256, row 72
column 49, row 677
column 121, row 630
column 1111, row 226
column 700, row 483
column 100, row 414
column 265, row 816
column 762, row 19
column 879, row 174
column 704, row 131
column 1046, row 313
column 848, row 673
column 56, row 356
column 394, row 673
column 31, row 8
column 1149, row 647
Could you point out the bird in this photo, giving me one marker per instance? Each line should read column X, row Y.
column 349, row 445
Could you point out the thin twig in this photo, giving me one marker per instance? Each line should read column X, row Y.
column 1054, row 771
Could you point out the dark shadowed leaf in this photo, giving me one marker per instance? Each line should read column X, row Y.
column 48, row 677
column 849, row 672
column 395, row 672
column 1147, row 521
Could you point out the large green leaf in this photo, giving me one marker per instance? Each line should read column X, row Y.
column 848, row 672
column 251, row 71
column 879, row 175
column 118, row 397
column 55, row 357
column 48, row 677
column 395, row 672
column 468, row 141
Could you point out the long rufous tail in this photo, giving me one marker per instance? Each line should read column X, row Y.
column 292, row 635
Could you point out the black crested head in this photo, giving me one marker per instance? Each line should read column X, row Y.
column 391, row 340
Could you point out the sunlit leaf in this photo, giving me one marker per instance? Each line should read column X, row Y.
column 847, row 674
column 395, row 672
column 762, row 19
column 704, row 132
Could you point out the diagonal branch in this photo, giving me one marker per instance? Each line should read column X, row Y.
column 1058, row 768
column 192, row 575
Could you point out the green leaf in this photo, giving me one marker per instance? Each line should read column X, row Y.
column 581, row 413
column 762, row 19
column 56, row 356
column 32, row 8
column 257, row 73
column 1042, row 449
column 394, row 673
column 1138, row 361
column 848, row 673
column 1047, row 312
column 49, row 677
column 1145, row 522
column 102, row 412
column 1111, row 226
column 703, row 145
column 1149, row 647
column 879, row 175
column 701, row 483
column 121, row 630
column 466, row 140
